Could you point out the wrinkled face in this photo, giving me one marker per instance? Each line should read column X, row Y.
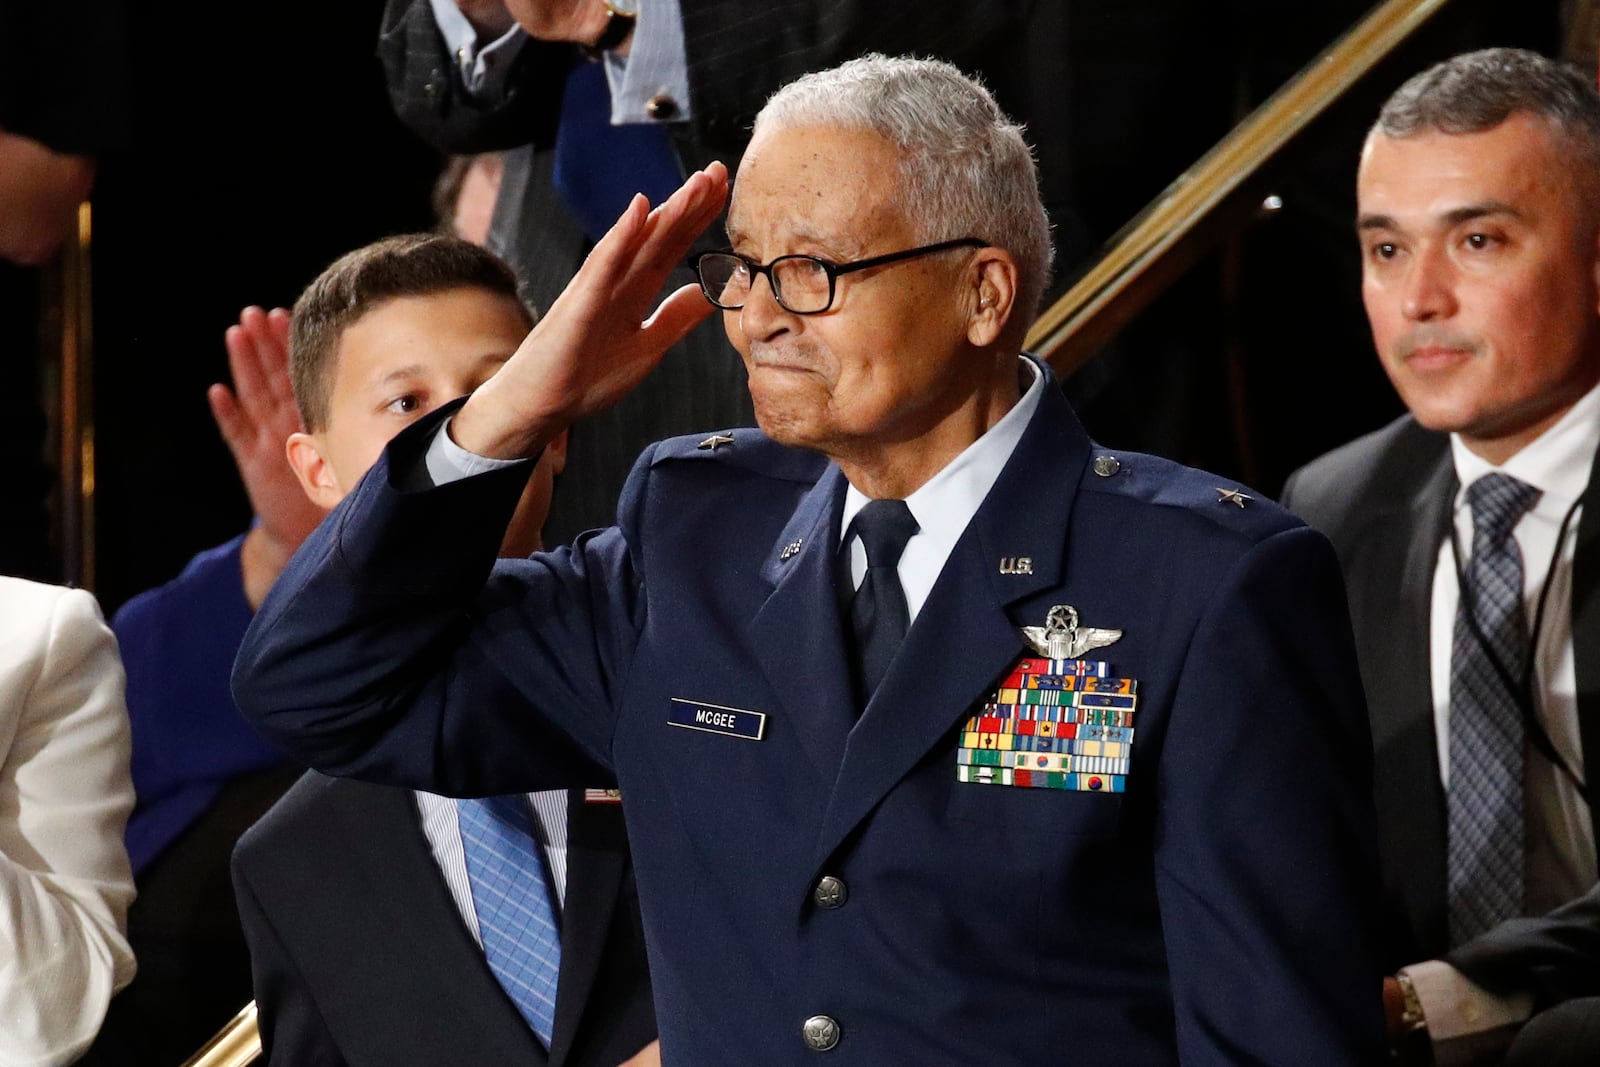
column 1481, row 277
column 404, row 358
column 889, row 361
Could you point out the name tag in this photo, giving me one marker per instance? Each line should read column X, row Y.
column 716, row 719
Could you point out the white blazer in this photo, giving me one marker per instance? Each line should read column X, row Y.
column 65, row 795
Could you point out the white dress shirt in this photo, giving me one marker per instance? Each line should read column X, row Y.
column 1560, row 849
column 945, row 504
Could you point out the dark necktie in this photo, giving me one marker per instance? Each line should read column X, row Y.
column 515, row 904
column 599, row 167
column 878, row 613
column 1489, row 661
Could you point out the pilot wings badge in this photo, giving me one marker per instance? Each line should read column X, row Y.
column 1062, row 638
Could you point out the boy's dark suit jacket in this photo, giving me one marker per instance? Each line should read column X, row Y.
column 360, row 956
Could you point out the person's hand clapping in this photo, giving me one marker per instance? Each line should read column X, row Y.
column 256, row 417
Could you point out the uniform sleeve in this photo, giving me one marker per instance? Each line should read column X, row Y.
column 396, row 650
column 65, row 794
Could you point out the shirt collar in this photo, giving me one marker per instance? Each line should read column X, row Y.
column 1557, row 462
column 945, row 503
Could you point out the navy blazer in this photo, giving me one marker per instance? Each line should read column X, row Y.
column 1222, row 910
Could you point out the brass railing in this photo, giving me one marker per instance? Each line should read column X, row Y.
column 1134, row 269
column 234, row 1045
column 1144, row 257
column 66, row 337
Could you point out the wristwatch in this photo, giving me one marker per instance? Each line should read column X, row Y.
column 621, row 16
column 1411, row 1018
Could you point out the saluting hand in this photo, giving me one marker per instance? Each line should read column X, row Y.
column 595, row 345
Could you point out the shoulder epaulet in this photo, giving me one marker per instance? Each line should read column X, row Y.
column 1163, row 483
column 744, row 447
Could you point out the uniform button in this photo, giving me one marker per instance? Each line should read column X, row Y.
column 1106, row 466
column 830, row 892
column 821, row 1033
column 662, row 107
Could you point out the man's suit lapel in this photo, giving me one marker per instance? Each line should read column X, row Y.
column 390, row 852
column 596, row 845
column 963, row 640
column 1586, row 636
column 1402, row 693
column 806, row 663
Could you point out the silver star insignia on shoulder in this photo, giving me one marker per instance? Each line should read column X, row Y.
column 790, row 549
column 714, row 442
column 1232, row 496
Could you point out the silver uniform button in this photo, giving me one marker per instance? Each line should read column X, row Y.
column 1106, row 466
column 830, row 892
column 821, row 1033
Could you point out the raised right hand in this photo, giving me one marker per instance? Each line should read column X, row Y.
column 595, row 345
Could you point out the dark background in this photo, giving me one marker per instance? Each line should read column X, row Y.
column 260, row 146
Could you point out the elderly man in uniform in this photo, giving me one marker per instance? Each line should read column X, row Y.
column 943, row 734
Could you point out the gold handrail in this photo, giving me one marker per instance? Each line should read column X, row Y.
column 234, row 1045
column 1113, row 290
column 75, row 447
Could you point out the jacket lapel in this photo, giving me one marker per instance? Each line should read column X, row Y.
column 963, row 640
column 390, row 851
column 1402, row 694
column 596, row 845
column 806, row 664
column 1586, row 637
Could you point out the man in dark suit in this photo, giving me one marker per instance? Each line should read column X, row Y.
column 685, row 93
column 1467, row 531
column 944, row 735
column 364, row 906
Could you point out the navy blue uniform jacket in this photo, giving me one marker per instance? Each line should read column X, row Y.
column 1220, row 911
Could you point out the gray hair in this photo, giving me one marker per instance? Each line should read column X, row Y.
column 1477, row 91
column 965, row 168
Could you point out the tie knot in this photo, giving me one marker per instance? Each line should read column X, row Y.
column 1498, row 502
column 884, row 527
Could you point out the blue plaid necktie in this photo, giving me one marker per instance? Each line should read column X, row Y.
column 879, row 616
column 516, row 919
column 1488, row 661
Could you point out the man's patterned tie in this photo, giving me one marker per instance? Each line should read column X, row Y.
column 516, row 920
column 1485, row 856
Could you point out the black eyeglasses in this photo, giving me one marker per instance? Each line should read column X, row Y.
column 801, row 284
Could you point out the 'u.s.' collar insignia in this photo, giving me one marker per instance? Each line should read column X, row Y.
column 1062, row 638
column 714, row 442
column 1232, row 496
column 791, row 549
column 1016, row 564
